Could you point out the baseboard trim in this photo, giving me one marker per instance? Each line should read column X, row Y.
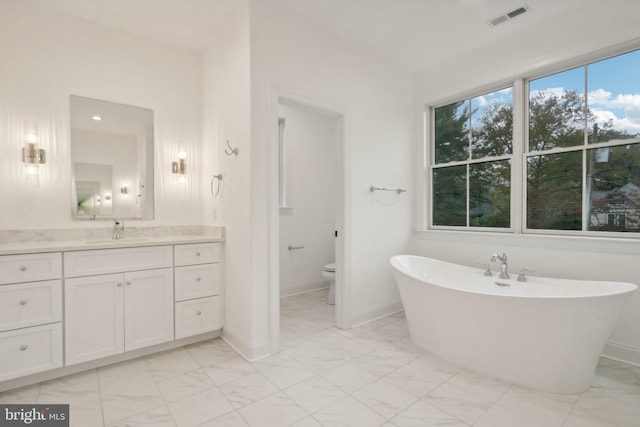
column 93, row 364
column 303, row 289
column 375, row 313
column 622, row 353
column 249, row 351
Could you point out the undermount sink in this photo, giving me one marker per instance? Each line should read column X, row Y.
column 114, row 241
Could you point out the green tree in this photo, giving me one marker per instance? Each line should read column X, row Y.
column 450, row 183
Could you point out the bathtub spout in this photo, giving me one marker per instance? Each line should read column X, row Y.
column 503, row 264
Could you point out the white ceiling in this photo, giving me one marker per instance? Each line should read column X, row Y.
column 413, row 34
column 418, row 33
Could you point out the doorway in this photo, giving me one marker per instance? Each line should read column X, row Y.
column 307, row 219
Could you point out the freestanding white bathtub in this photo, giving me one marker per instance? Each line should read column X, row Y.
column 545, row 333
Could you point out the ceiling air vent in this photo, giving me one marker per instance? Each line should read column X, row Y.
column 507, row 16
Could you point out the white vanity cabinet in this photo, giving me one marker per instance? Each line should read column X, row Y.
column 198, row 286
column 107, row 314
column 83, row 307
column 30, row 314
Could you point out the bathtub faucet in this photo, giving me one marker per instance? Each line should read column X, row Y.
column 503, row 264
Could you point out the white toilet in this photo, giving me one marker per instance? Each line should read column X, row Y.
column 329, row 273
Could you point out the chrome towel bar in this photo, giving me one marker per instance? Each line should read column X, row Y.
column 397, row 190
column 291, row 247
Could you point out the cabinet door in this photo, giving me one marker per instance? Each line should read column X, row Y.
column 148, row 306
column 93, row 317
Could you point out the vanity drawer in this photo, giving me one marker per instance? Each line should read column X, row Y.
column 30, row 304
column 30, row 350
column 197, row 253
column 104, row 261
column 30, row 267
column 196, row 281
column 197, row 316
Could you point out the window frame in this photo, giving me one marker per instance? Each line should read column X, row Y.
column 519, row 156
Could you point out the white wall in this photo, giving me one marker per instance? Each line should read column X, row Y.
column 291, row 57
column 48, row 56
column 226, row 117
column 521, row 55
column 311, row 140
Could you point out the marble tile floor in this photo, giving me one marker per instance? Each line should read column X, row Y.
column 368, row 376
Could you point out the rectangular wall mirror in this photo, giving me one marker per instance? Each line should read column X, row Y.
column 112, row 160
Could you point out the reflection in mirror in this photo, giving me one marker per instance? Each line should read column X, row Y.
column 94, row 189
column 112, row 158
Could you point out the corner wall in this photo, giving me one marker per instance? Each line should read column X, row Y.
column 289, row 56
column 227, row 99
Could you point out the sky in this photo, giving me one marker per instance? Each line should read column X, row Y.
column 612, row 87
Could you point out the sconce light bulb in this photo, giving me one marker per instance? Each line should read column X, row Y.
column 182, row 179
column 31, row 137
column 32, row 170
column 31, row 130
column 97, row 118
column 182, row 154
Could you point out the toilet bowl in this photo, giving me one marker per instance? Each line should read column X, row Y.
column 329, row 273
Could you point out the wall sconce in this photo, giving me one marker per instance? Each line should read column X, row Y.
column 124, row 190
column 32, row 156
column 180, row 167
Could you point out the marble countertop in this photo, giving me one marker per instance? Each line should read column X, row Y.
column 80, row 245
column 79, row 241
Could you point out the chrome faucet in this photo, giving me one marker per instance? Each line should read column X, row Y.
column 503, row 264
column 118, row 226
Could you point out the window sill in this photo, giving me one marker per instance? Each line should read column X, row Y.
column 542, row 241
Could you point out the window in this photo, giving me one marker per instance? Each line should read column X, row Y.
column 284, row 165
column 471, row 175
column 578, row 167
column 583, row 160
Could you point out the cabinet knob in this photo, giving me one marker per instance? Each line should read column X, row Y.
column 119, row 284
column 23, row 348
column 128, row 282
column 198, row 279
column 23, row 302
column 23, row 268
column 199, row 312
column 197, row 253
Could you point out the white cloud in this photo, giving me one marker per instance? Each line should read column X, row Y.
column 631, row 125
column 627, row 102
column 557, row 92
column 482, row 101
column 600, row 97
column 627, row 106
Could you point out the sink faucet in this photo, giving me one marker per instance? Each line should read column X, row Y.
column 503, row 264
column 118, row 226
